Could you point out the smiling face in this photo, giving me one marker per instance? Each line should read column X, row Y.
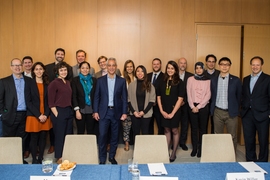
column 59, row 56
column 224, row 67
column 129, row 68
column 16, row 67
column 210, row 63
column 27, row 65
column 170, row 70
column 62, row 73
column 80, row 57
column 111, row 67
column 256, row 66
column 38, row 70
column 140, row 74
column 102, row 63
column 156, row 65
column 182, row 63
column 84, row 69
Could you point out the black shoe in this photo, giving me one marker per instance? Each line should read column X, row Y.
column 199, row 154
column 112, row 160
column 102, row 163
column 193, row 153
column 184, row 147
column 172, row 160
column 25, row 162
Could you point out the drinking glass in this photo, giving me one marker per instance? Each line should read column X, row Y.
column 47, row 165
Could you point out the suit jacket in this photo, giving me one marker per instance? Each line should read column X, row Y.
column 159, row 79
column 8, row 98
column 187, row 75
column 259, row 100
column 78, row 96
column 234, row 94
column 76, row 73
column 101, row 98
column 51, row 73
column 99, row 73
column 33, row 100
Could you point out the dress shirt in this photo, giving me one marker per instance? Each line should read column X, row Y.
column 28, row 74
column 182, row 76
column 19, row 85
column 104, row 72
column 157, row 73
column 222, row 92
column 111, row 83
column 253, row 80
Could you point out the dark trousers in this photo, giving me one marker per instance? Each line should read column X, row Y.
column 199, row 122
column 250, row 126
column 87, row 123
column 62, row 125
column 156, row 115
column 17, row 129
column 108, row 122
column 184, row 120
column 51, row 133
column 140, row 125
column 37, row 139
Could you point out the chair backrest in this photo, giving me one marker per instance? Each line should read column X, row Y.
column 217, row 148
column 11, row 150
column 81, row 149
column 151, row 149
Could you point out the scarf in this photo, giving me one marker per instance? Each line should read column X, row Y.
column 87, row 83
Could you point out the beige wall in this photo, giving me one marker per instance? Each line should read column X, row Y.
column 135, row 29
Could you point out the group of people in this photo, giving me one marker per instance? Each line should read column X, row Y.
column 50, row 98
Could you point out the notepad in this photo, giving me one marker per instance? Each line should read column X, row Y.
column 157, row 169
column 252, row 167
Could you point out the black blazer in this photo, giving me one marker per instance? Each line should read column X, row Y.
column 159, row 79
column 187, row 75
column 259, row 100
column 78, row 96
column 8, row 98
column 52, row 75
column 33, row 100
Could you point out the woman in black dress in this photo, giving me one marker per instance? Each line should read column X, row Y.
column 170, row 97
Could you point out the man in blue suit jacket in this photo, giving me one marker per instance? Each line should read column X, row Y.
column 255, row 111
column 226, row 98
column 110, row 106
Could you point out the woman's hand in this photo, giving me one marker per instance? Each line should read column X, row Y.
column 78, row 115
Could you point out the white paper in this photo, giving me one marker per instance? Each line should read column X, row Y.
column 252, row 167
column 49, row 178
column 157, row 177
column 245, row 176
column 157, row 169
column 62, row 173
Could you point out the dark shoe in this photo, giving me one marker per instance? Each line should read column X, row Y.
column 35, row 161
column 199, row 154
column 102, row 163
column 26, row 154
column 51, row 150
column 193, row 153
column 172, row 160
column 25, row 162
column 184, row 147
column 112, row 160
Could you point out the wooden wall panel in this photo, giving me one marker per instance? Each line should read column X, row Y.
column 160, row 31
column 6, row 37
column 225, row 11
column 76, row 28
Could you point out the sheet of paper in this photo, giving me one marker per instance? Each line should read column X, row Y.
column 62, row 173
column 245, row 176
column 157, row 178
column 157, row 169
column 252, row 167
column 49, row 178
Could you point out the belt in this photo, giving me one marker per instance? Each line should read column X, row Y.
column 221, row 109
column 110, row 107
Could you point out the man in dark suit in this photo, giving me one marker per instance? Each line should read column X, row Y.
column 102, row 62
column 184, row 75
column 156, row 77
column 210, row 72
column 255, row 111
column 226, row 97
column 109, row 107
column 12, row 102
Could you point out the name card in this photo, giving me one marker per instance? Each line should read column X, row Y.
column 49, row 177
column 245, row 176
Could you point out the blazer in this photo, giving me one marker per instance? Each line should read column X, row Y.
column 149, row 97
column 52, row 75
column 78, row 96
column 101, row 97
column 33, row 100
column 99, row 73
column 159, row 79
column 8, row 98
column 187, row 75
column 234, row 94
column 259, row 100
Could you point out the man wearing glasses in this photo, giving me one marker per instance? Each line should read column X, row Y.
column 102, row 62
column 226, row 92
column 12, row 102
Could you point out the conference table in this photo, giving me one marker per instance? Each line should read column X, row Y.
column 184, row 171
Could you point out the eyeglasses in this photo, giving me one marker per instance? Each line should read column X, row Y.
column 224, row 64
column 102, row 62
column 16, row 65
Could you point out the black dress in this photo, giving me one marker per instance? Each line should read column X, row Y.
column 168, row 102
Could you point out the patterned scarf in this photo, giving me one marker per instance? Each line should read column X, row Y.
column 87, row 83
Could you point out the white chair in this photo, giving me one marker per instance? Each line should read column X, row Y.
column 151, row 149
column 11, row 150
column 217, row 148
column 81, row 149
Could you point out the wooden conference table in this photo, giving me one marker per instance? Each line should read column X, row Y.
column 183, row 171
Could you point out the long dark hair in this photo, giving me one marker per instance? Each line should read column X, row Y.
column 45, row 77
column 175, row 77
column 146, row 85
column 125, row 73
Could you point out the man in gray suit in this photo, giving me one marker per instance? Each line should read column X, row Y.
column 80, row 57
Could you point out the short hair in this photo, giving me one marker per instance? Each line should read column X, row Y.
column 80, row 50
column 59, row 49
column 157, row 59
column 14, row 59
column 112, row 58
column 257, row 57
column 225, row 59
column 60, row 65
column 102, row 57
column 210, row 55
column 85, row 62
column 27, row 57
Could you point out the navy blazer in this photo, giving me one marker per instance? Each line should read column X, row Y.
column 234, row 94
column 32, row 99
column 9, row 99
column 258, row 100
column 101, row 98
